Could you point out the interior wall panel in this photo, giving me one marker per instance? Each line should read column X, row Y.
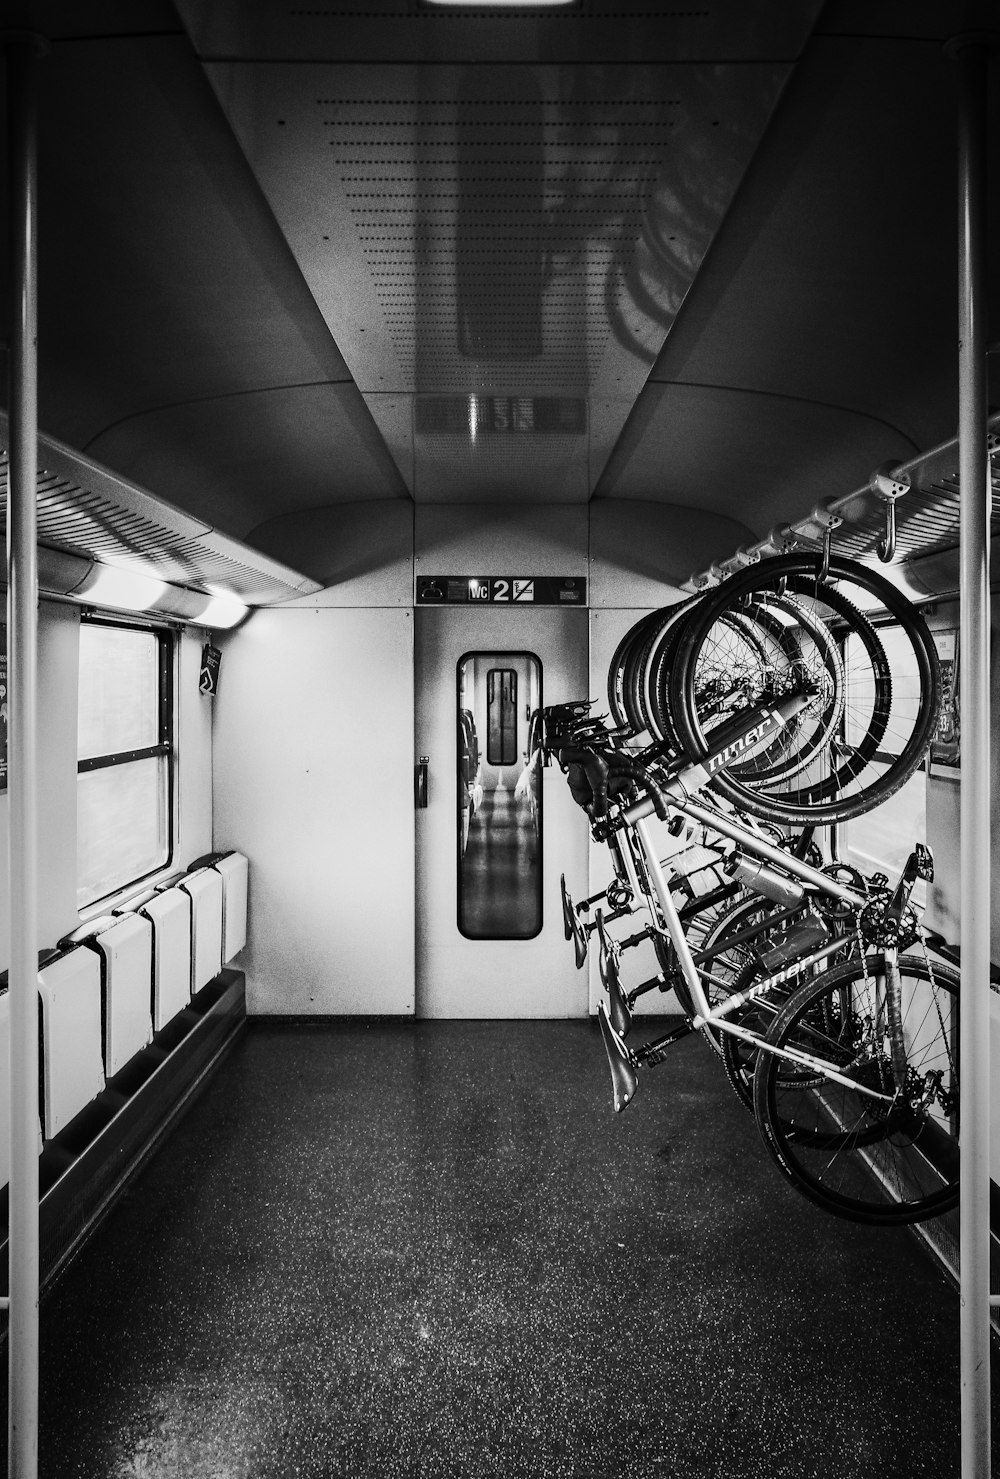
column 58, row 683
column 194, row 753
column 58, row 657
column 500, row 539
column 314, row 783
column 362, row 553
column 640, row 553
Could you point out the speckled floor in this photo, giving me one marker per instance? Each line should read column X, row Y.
column 432, row 1250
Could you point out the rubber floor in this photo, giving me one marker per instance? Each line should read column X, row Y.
column 428, row 1249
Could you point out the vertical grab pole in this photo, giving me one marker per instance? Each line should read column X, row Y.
column 22, row 51
column 971, row 56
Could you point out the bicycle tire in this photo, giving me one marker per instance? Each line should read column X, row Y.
column 751, row 648
column 856, row 784
column 619, row 671
column 790, row 640
column 626, row 673
column 881, row 1161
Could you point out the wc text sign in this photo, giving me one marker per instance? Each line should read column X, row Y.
column 501, row 590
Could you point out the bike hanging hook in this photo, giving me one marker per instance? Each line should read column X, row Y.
column 888, row 485
column 820, row 524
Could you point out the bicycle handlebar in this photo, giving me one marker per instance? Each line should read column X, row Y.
column 600, row 769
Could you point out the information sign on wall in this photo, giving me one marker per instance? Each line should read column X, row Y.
column 501, row 590
column 946, row 747
column 211, row 659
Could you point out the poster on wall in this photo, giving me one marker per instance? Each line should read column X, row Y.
column 211, row 661
column 946, row 748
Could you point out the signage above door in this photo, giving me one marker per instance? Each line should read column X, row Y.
column 500, row 590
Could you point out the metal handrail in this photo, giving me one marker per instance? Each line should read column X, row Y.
column 887, row 483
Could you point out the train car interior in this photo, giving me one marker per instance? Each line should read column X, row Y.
column 499, row 508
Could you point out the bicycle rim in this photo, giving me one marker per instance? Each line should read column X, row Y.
column 868, row 1159
column 885, row 728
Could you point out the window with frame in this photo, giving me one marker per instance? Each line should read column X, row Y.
column 124, row 756
column 881, row 840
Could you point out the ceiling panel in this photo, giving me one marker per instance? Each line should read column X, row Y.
column 759, row 458
column 503, row 232
column 410, row 30
column 170, row 305
column 245, row 458
column 701, row 254
column 834, row 279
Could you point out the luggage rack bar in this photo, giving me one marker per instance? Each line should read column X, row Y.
column 926, row 484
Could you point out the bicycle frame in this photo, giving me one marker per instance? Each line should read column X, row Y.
column 706, row 1016
column 678, row 792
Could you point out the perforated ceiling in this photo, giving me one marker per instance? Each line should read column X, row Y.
column 506, row 231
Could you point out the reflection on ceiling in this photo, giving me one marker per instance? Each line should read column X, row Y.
column 517, row 231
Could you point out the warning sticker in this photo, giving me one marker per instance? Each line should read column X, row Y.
column 524, row 590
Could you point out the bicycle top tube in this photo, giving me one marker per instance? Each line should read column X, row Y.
column 751, row 843
column 742, row 736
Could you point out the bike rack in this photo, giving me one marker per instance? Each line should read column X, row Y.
column 871, row 508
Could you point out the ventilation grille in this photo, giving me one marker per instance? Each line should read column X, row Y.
column 511, row 240
column 85, row 510
column 528, row 228
column 926, row 522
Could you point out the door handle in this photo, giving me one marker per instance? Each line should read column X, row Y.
column 420, row 782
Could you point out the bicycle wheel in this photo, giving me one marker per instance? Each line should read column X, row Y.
column 748, row 652
column 620, row 671
column 775, row 949
column 884, row 726
column 750, row 657
column 875, row 1150
column 730, row 953
column 626, row 698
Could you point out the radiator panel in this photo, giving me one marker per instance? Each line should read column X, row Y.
column 205, row 890
column 72, row 1055
column 234, row 870
column 169, row 913
column 127, row 953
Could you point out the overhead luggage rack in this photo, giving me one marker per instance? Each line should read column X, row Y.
column 922, row 493
column 86, row 511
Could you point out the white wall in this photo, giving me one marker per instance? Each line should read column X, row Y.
column 58, row 648
column 58, row 677
column 314, row 722
column 314, row 782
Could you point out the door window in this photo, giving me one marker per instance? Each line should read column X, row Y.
column 499, row 815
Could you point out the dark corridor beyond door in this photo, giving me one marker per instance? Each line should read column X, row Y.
column 500, row 869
